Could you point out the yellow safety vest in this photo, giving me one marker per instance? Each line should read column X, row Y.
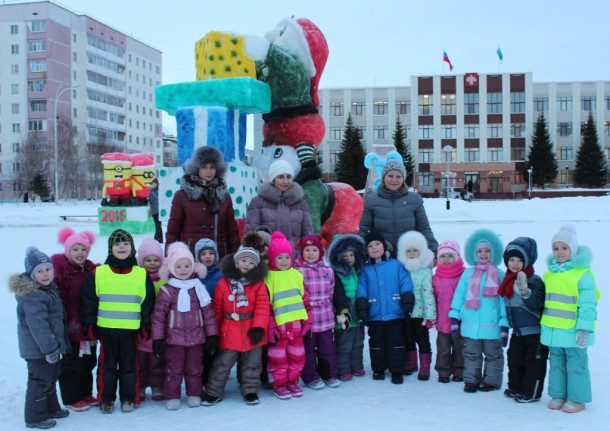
column 120, row 297
column 561, row 300
column 286, row 295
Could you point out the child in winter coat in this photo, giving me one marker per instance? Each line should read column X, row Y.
column 347, row 257
column 182, row 323
column 417, row 258
column 41, row 331
column 71, row 268
column 523, row 293
column 241, row 304
column 320, row 352
column 116, row 302
column 384, row 299
column 449, row 356
column 288, row 322
column 478, row 313
column 150, row 257
column 569, row 321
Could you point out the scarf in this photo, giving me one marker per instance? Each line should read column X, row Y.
column 208, row 189
column 491, row 284
column 451, row 270
column 237, row 290
column 184, row 300
column 506, row 287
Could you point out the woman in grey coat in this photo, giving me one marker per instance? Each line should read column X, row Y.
column 393, row 210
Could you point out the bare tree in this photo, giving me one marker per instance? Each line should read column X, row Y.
column 32, row 158
column 69, row 172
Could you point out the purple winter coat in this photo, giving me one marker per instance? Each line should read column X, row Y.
column 182, row 328
column 287, row 212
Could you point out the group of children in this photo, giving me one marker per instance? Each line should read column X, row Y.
column 164, row 320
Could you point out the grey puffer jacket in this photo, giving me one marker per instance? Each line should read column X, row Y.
column 287, row 212
column 41, row 320
column 393, row 213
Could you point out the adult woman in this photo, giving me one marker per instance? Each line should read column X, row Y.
column 203, row 208
column 393, row 210
column 280, row 204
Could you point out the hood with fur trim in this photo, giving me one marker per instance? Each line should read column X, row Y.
column 480, row 235
column 582, row 259
column 203, row 156
column 21, row 284
column 293, row 195
column 229, row 270
column 414, row 239
column 341, row 244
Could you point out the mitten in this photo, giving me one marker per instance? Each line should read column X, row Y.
column 145, row 332
column 306, row 328
column 211, row 345
column 52, row 357
column 582, row 338
column 256, row 335
column 407, row 300
column 428, row 323
column 362, row 305
column 504, row 336
column 273, row 332
column 455, row 328
column 522, row 284
column 158, row 346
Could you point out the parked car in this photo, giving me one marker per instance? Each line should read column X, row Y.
column 454, row 192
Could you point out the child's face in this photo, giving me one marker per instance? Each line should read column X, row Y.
column 515, row 264
column 121, row 250
column 43, row 275
column 207, row 257
column 311, row 254
column 283, row 261
column 375, row 249
column 412, row 253
column 78, row 254
column 183, row 269
column 446, row 258
column 349, row 257
column 561, row 252
column 151, row 263
column 245, row 265
column 483, row 254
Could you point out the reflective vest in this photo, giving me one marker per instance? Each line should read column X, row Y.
column 120, row 297
column 561, row 300
column 286, row 295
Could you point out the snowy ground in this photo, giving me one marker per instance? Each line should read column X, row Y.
column 358, row 404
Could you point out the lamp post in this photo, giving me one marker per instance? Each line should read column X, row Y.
column 529, row 180
column 448, row 149
column 567, row 177
column 60, row 90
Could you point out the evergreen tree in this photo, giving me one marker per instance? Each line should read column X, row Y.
column 400, row 142
column 39, row 185
column 541, row 157
column 591, row 166
column 349, row 167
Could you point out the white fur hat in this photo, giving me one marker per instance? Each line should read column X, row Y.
column 416, row 240
column 567, row 235
column 280, row 167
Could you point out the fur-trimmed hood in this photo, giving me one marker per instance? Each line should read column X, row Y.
column 582, row 259
column 194, row 189
column 229, row 270
column 480, row 235
column 21, row 284
column 203, row 156
column 414, row 239
column 293, row 195
column 341, row 244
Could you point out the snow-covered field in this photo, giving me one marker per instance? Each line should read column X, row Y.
column 361, row 403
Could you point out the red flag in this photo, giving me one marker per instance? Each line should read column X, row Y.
column 446, row 60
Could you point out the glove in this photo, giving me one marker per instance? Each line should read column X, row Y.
column 455, row 328
column 158, row 346
column 211, row 345
column 90, row 332
column 273, row 332
column 582, row 337
column 522, row 284
column 407, row 300
column 306, row 328
column 256, row 335
column 52, row 357
column 504, row 336
column 362, row 305
column 145, row 332
column 428, row 324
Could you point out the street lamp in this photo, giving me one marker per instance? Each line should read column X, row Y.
column 567, row 177
column 529, row 180
column 60, row 90
column 448, row 149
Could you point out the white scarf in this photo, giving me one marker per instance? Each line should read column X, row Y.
column 184, row 300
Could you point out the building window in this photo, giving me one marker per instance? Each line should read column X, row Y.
column 471, row 130
column 38, row 66
column 447, row 104
column 15, row 147
column 426, row 155
column 403, row 108
column 471, row 103
column 74, row 57
column 14, row 88
column 494, row 154
column 587, row 103
column 15, row 49
column 494, row 103
column 517, row 130
column 426, row 179
column 425, row 132
column 37, row 45
column 517, row 103
column 471, row 155
column 565, row 153
column 37, row 125
column 39, row 26
column 362, row 131
column 380, row 108
column 564, row 129
column 336, row 109
column 494, row 130
column 15, row 108
column 607, row 128
column 448, row 156
column 425, row 104
column 607, row 99
column 335, row 134
column 517, row 153
column 541, row 104
column 448, row 131
column 14, row 29
column 358, row 108
column 564, row 103
column 16, row 128
column 407, row 131
column 14, row 69
column 36, row 84
column 38, row 105
column 380, row 132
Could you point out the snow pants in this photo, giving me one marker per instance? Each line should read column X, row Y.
column 527, row 359
column 250, row 371
column 41, row 393
column 117, row 362
column 386, row 345
column 416, row 336
column 76, row 374
column 151, row 370
column 449, row 355
column 320, row 357
column 350, row 347
column 286, row 359
column 182, row 363
column 569, row 376
column 483, row 362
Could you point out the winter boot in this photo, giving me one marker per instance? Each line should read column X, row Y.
column 411, row 363
column 424, row 366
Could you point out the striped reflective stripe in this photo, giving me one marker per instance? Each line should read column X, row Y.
column 288, row 308
column 286, row 294
column 113, row 314
column 563, row 314
column 126, row 299
column 558, row 297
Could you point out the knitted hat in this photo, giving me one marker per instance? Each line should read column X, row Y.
column 375, row 236
column 149, row 247
column 482, row 244
column 449, row 247
column 394, row 165
column 255, row 240
column 280, row 167
column 120, row 235
column 305, row 152
column 177, row 251
column 35, row 258
column 203, row 156
column 279, row 244
column 69, row 238
column 524, row 248
column 247, row 253
column 567, row 235
column 312, row 240
column 206, row 244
